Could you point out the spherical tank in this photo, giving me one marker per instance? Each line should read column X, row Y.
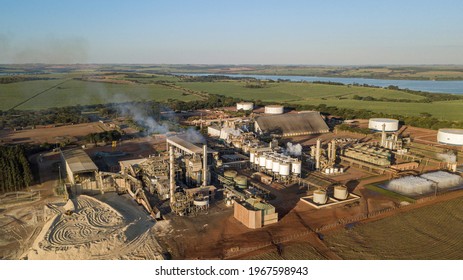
column 244, row 106
column 262, row 160
column 276, row 166
column 450, row 136
column 274, row 109
column 320, row 197
column 340, row 192
column 284, row 169
column 230, row 174
column 296, row 167
column 377, row 124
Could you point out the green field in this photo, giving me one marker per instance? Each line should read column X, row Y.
column 73, row 92
column 146, row 87
column 431, row 232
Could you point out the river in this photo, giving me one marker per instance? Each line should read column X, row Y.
column 455, row 87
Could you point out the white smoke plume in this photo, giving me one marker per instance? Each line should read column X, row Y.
column 293, row 150
column 142, row 119
column 193, row 136
column 448, row 157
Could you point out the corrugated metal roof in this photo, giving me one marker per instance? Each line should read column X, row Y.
column 187, row 146
column 78, row 161
column 304, row 123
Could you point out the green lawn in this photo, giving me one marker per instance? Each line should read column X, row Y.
column 75, row 92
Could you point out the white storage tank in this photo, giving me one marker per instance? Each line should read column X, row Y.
column 296, row 167
column 268, row 163
column 340, row 192
column 256, row 159
column 244, row 106
column 274, row 109
column 320, row 197
column 284, row 169
column 251, row 157
column 450, row 136
column 262, row 160
column 276, row 166
column 377, row 124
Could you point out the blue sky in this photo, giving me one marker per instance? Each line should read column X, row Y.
column 233, row 31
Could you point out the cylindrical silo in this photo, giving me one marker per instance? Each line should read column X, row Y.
column 262, row 160
column 274, row 109
column 276, row 166
column 268, row 163
column 230, row 174
column 241, row 181
column 296, row 167
column 450, row 136
column 320, row 197
column 251, row 157
column 340, row 192
column 390, row 125
column 256, row 159
column 284, row 169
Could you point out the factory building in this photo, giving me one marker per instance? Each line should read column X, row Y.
column 450, row 136
column 78, row 165
column 291, row 124
column 254, row 213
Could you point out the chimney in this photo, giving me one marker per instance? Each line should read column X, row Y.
column 329, row 152
column 317, row 154
column 172, row 174
column 383, row 136
column 204, row 165
column 333, row 151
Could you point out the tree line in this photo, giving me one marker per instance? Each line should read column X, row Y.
column 15, row 172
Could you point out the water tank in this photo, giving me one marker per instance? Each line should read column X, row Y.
column 320, row 197
column 340, row 192
column 450, row 136
column 241, row 181
column 262, row 160
column 251, row 157
column 296, row 167
column 274, row 109
column 256, row 159
column 276, row 166
column 327, row 171
column 244, row 106
column 201, row 202
column 230, row 174
column 284, row 169
column 268, row 163
column 377, row 124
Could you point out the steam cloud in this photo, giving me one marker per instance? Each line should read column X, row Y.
column 449, row 157
column 293, row 150
column 148, row 122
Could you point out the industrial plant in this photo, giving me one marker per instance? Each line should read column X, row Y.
column 256, row 169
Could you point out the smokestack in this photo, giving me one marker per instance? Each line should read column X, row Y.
column 329, row 152
column 333, row 151
column 204, row 165
column 383, row 136
column 317, row 154
column 172, row 174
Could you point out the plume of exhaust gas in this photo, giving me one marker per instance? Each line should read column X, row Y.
column 193, row 136
column 448, row 157
column 293, row 150
column 142, row 119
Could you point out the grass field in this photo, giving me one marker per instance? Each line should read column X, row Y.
column 431, row 232
column 73, row 92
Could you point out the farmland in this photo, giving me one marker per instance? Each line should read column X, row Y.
column 425, row 233
column 100, row 88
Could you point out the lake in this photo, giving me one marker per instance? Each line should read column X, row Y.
column 455, row 87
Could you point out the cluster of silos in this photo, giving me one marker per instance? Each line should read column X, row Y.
column 276, row 164
column 239, row 180
column 339, row 193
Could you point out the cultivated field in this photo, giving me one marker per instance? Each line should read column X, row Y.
column 431, row 232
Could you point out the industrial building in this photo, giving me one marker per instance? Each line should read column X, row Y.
column 390, row 125
column 78, row 165
column 450, row 136
column 291, row 124
column 254, row 213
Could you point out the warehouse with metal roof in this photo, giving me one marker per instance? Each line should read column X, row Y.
column 79, row 166
column 291, row 124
